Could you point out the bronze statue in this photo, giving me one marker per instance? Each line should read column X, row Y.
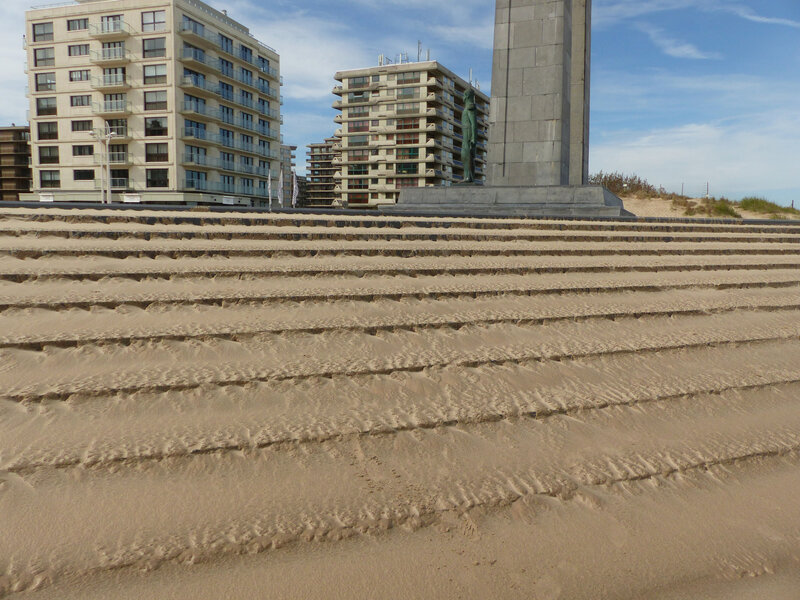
column 469, row 129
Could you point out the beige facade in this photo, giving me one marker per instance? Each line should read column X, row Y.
column 15, row 162
column 320, row 172
column 191, row 98
column 401, row 128
column 288, row 167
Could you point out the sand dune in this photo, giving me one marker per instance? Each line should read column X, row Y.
column 198, row 405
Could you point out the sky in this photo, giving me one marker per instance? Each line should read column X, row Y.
column 685, row 93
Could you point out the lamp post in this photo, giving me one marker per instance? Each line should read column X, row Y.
column 105, row 138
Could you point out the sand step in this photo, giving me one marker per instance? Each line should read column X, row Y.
column 384, row 482
column 67, row 219
column 102, row 371
column 357, row 234
column 64, row 268
column 62, row 295
column 31, row 249
column 38, row 329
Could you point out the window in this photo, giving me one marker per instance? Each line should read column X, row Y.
column 196, row 155
column 196, row 180
column 226, row 114
column 226, row 137
column 409, row 92
column 227, row 183
column 48, row 130
column 82, row 125
column 407, row 138
column 45, row 82
column 358, row 97
column 154, row 20
column 227, row 160
column 407, row 168
column 155, row 74
column 226, row 90
column 111, row 23
column 357, row 169
column 155, row 100
column 245, row 53
column 358, row 184
column 407, row 153
column 118, row 126
column 156, row 152
column 358, row 140
column 81, row 75
column 245, row 98
column 83, row 174
column 408, row 123
column 194, row 129
column 247, row 142
column 78, row 50
column 83, row 150
column 357, row 82
column 155, row 126
column 46, row 106
column 44, row 57
column 357, row 198
column 194, row 53
column 407, row 108
column 82, row 100
column 48, row 155
column 118, row 153
column 226, row 44
column 356, row 126
column 114, row 76
column 359, row 155
column 226, row 67
column 157, row 178
column 376, row 78
column 154, row 48
column 410, row 77
column 246, row 76
column 247, row 120
column 50, row 179
column 43, row 32
column 190, row 24
column 77, row 24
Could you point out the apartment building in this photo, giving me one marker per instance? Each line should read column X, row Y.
column 288, row 166
column 400, row 128
column 174, row 100
column 15, row 162
column 320, row 172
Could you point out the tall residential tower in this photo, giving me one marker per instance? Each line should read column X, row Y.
column 401, row 128
column 175, row 100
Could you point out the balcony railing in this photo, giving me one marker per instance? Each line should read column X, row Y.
column 114, row 158
column 111, row 107
column 110, row 81
column 192, row 54
column 117, row 183
column 109, row 55
column 198, row 31
column 193, row 81
column 110, row 28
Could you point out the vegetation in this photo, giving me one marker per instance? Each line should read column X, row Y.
column 633, row 186
column 760, row 205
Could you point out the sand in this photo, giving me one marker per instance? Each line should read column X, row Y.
column 206, row 406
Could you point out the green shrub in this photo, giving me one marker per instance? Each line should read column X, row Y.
column 761, row 205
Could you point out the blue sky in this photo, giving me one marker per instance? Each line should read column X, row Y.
column 684, row 92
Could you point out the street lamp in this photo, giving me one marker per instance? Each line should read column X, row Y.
column 105, row 138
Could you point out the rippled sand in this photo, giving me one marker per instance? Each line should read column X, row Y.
column 208, row 406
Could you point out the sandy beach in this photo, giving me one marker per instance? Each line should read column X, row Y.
column 210, row 405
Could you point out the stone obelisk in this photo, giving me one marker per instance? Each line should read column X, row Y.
column 539, row 117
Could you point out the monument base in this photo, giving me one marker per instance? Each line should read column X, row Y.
column 537, row 201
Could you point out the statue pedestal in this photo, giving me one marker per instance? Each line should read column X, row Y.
column 528, row 201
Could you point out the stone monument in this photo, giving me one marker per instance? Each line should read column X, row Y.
column 538, row 156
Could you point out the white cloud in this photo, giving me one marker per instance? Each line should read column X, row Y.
column 738, row 158
column 674, row 47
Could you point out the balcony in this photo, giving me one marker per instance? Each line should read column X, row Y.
column 337, row 119
column 270, row 113
column 195, row 109
column 110, row 82
column 198, row 33
column 117, row 183
column 114, row 158
column 198, row 135
column 197, row 160
column 120, row 132
column 268, row 132
column 111, row 107
column 200, row 185
column 267, row 153
column 269, row 92
column 110, row 29
column 271, row 72
column 198, row 85
column 197, row 58
column 111, row 56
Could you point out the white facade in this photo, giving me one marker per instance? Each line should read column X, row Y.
column 193, row 101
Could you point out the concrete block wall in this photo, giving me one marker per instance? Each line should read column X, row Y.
column 532, row 128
